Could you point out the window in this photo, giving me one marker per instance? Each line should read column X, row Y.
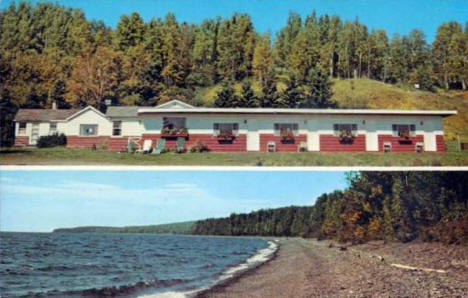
column 173, row 122
column 52, row 128
column 348, row 128
column 88, row 129
column 22, row 128
column 403, row 130
column 279, row 127
column 231, row 128
column 117, row 128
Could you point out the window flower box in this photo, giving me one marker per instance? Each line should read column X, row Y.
column 404, row 137
column 225, row 136
column 404, row 134
column 174, row 132
column 346, row 137
column 287, row 136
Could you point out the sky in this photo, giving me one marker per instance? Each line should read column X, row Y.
column 40, row 201
column 395, row 16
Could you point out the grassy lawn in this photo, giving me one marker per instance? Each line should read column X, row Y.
column 63, row 156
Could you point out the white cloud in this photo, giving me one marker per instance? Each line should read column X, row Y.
column 99, row 191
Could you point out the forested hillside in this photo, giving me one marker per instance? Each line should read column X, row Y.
column 403, row 206
column 172, row 228
column 53, row 53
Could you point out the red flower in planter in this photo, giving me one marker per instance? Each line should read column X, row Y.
column 225, row 135
column 174, row 132
column 287, row 135
column 405, row 134
column 346, row 137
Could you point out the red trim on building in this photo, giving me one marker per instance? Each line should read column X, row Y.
column 117, row 144
column 440, row 144
column 239, row 144
column 86, row 142
column 399, row 144
column 280, row 145
column 332, row 143
column 21, row 141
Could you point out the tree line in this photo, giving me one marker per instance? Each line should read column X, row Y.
column 401, row 206
column 53, row 53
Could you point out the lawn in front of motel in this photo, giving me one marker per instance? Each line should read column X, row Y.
column 66, row 156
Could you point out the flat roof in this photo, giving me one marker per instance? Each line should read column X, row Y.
column 152, row 110
column 122, row 111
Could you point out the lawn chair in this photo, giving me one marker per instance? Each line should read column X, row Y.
column 271, row 146
column 419, row 147
column 180, row 146
column 387, row 147
column 146, row 147
column 302, row 147
column 160, row 146
column 133, row 144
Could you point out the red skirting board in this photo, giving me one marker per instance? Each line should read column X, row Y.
column 400, row 144
column 332, row 143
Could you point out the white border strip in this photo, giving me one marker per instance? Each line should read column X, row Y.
column 222, row 168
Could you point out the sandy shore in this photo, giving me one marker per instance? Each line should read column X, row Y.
column 309, row 268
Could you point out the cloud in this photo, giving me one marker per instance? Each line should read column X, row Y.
column 70, row 189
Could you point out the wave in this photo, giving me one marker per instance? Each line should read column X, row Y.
column 254, row 261
column 122, row 290
column 260, row 257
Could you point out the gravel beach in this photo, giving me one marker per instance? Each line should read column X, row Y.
column 310, row 268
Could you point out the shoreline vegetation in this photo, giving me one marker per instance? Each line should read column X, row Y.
column 389, row 206
column 67, row 156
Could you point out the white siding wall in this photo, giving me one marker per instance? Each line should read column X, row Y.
column 131, row 127
column 44, row 128
column 312, row 125
column 197, row 124
column 72, row 127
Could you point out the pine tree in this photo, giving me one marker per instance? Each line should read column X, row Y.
column 130, row 31
column 293, row 94
column 318, row 94
column 285, row 39
column 445, row 50
column 262, row 60
column 270, row 96
column 57, row 95
column 226, row 98
column 248, row 99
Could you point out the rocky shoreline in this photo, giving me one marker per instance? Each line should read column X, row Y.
column 310, row 268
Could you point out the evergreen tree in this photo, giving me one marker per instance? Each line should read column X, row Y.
column 293, row 95
column 262, row 62
column 270, row 96
column 248, row 99
column 226, row 98
column 130, row 31
column 57, row 95
column 318, row 93
column 285, row 39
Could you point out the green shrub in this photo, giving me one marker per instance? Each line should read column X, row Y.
column 199, row 146
column 52, row 141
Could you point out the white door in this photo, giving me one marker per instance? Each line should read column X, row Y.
column 34, row 133
column 430, row 141
column 253, row 137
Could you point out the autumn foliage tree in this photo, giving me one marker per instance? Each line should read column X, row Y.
column 95, row 77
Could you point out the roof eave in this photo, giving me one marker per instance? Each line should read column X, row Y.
column 146, row 111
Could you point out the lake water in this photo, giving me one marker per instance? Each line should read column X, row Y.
column 68, row 264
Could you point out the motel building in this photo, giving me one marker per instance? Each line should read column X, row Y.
column 239, row 129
